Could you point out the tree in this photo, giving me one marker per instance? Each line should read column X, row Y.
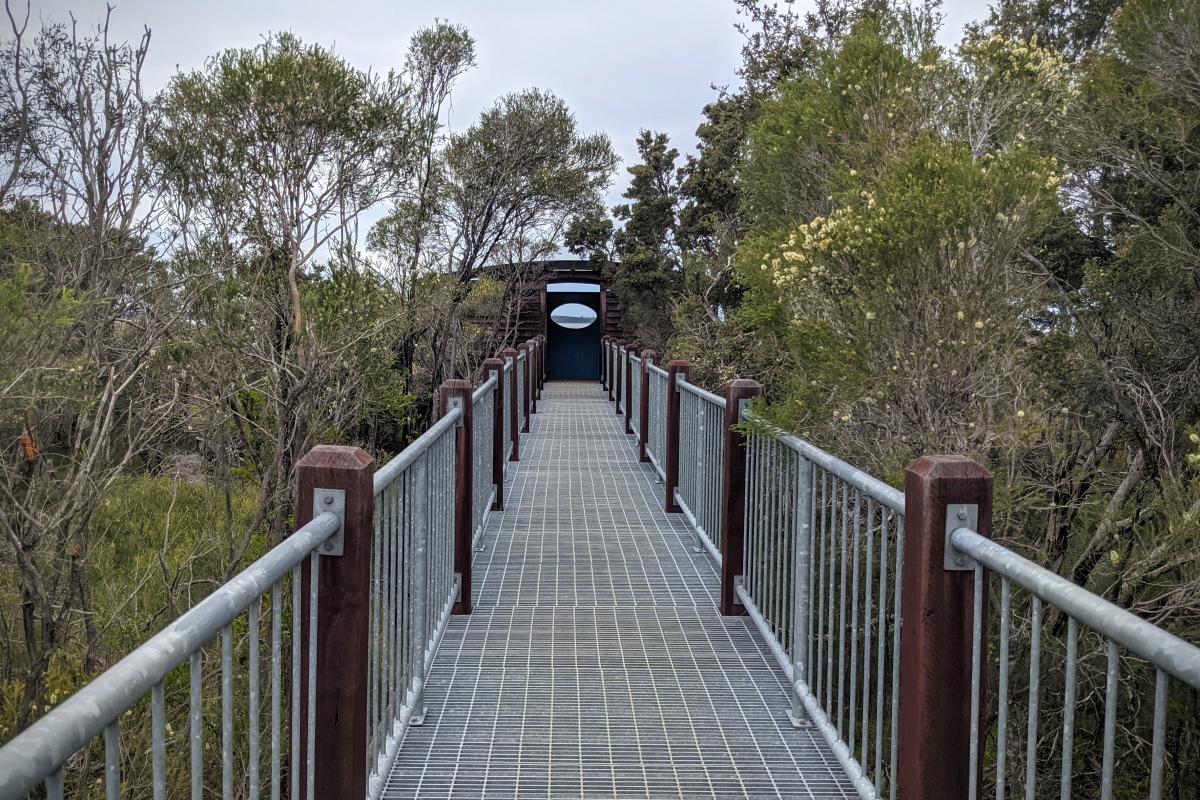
column 268, row 156
column 503, row 191
column 86, row 388
column 648, row 272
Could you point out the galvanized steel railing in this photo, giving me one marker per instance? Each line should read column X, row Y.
column 1166, row 656
column 656, row 424
column 413, row 586
column 483, row 405
column 635, row 393
column 820, row 569
column 522, row 420
column 701, row 463
column 38, row 754
column 823, row 560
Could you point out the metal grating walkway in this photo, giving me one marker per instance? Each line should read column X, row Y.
column 595, row 664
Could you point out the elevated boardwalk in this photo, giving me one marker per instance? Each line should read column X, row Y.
column 595, row 663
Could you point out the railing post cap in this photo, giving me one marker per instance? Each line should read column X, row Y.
column 336, row 456
column 523, row 347
column 947, row 466
column 508, row 352
column 679, row 364
column 456, row 384
column 493, row 363
column 649, row 354
column 743, row 387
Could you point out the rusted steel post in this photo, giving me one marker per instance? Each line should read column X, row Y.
column 454, row 393
column 671, row 471
column 343, row 617
column 935, row 635
column 648, row 357
column 495, row 366
column 629, row 389
column 514, row 428
column 619, row 369
column 733, row 493
column 524, row 348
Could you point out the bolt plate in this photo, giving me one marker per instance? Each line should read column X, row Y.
column 334, row 501
column 959, row 515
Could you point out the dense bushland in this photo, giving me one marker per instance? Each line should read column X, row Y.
column 989, row 249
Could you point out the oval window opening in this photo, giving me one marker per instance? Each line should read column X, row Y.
column 573, row 316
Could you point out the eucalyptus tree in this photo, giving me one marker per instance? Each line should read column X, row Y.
column 268, row 155
column 85, row 388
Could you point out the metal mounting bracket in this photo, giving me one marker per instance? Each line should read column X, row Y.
column 959, row 515
column 333, row 501
column 453, row 403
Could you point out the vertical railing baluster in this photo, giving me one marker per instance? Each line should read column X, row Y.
column 195, row 677
column 1068, row 729
column 112, row 761
column 1035, row 651
column 1002, row 691
column 802, row 526
column 227, row 711
column 158, row 741
column 1111, row 689
column 254, row 613
column 1159, row 735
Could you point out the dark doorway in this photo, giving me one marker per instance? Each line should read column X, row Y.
column 573, row 338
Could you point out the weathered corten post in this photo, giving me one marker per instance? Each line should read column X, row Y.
column 457, row 394
column 629, row 388
column 329, row 478
column 648, row 357
column 619, row 369
column 671, row 471
column 495, row 367
column 524, row 348
column 514, row 428
column 941, row 493
column 733, row 493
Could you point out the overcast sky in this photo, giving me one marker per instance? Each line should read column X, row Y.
column 621, row 65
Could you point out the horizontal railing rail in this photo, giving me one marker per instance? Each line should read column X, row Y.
column 856, row 589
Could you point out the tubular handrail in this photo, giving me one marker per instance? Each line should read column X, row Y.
column 656, row 369
column 483, row 389
column 403, row 460
column 704, row 394
column 882, row 492
column 1161, row 648
column 43, row 747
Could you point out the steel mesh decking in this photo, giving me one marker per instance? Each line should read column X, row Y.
column 595, row 663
